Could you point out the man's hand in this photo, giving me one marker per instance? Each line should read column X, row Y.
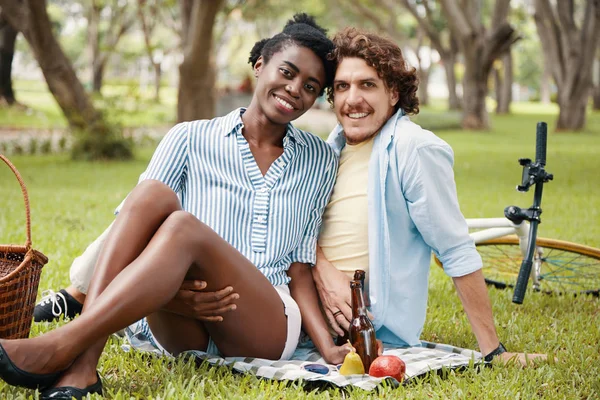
column 525, row 360
column 333, row 287
column 190, row 301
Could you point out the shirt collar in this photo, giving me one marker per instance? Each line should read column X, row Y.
column 233, row 121
column 337, row 140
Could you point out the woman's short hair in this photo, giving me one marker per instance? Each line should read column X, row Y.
column 301, row 30
column 386, row 58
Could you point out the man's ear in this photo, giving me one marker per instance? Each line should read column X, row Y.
column 258, row 66
column 394, row 97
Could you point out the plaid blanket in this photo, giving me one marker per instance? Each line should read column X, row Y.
column 419, row 361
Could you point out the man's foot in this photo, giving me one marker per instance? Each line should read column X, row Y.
column 53, row 305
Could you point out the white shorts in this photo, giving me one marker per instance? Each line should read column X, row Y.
column 140, row 336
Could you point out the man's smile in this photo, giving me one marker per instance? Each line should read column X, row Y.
column 357, row 115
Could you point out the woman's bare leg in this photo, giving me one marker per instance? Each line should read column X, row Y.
column 150, row 281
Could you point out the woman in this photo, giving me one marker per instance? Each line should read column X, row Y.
column 252, row 190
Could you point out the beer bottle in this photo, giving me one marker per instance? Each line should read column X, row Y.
column 359, row 275
column 362, row 332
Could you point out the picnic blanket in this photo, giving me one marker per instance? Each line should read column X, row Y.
column 419, row 360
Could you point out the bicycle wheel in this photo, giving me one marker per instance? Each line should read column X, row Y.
column 564, row 267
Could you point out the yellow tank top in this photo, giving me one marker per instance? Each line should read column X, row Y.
column 344, row 232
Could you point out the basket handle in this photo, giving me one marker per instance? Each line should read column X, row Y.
column 25, row 197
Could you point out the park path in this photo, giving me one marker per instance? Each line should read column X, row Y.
column 317, row 121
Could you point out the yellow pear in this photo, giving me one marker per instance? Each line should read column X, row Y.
column 352, row 363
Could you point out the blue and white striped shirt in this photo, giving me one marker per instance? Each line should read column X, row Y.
column 273, row 220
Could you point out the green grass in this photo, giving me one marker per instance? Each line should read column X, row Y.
column 123, row 103
column 72, row 203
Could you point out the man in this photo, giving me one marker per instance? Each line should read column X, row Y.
column 398, row 178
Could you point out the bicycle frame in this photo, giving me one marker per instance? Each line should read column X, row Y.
column 493, row 228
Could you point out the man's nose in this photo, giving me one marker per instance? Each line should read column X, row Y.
column 354, row 96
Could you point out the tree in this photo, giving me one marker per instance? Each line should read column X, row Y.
column 104, row 34
column 8, row 36
column 96, row 138
column 196, row 97
column 151, row 9
column 596, row 93
column 569, row 52
column 434, row 25
column 480, row 48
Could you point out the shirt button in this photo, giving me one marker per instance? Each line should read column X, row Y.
column 283, row 164
column 261, row 218
column 264, row 190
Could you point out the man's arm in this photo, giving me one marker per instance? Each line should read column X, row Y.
column 333, row 287
column 302, row 289
column 473, row 295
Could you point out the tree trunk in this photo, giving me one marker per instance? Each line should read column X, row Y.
column 480, row 47
column 98, row 75
column 93, row 42
column 449, row 61
column 504, row 80
column 8, row 36
column 545, row 86
column 475, row 115
column 569, row 49
column 571, row 116
column 98, row 139
column 157, row 76
column 423, row 86
column 596, row 91
column 196, row 98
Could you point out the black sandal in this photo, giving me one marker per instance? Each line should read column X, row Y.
column 15, row 376
column 69, row 392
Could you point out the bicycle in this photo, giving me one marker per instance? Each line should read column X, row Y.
column 505, row 244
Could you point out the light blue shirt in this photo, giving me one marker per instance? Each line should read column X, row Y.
column 413, row 209
column 273, row 220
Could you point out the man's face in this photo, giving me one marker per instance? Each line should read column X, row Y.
column 362, row 101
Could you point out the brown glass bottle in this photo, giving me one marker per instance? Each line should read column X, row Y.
column 359, row 275
column 362, row 332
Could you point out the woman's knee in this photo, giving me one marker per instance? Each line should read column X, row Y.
column 184, row 227
column 152, row 196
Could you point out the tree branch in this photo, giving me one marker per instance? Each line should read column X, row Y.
column 426, row 25
column 457, row 20
column 16, row 14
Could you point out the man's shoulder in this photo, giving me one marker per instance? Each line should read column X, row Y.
column 409, row 136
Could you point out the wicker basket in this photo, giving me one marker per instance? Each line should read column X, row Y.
column 20, row 270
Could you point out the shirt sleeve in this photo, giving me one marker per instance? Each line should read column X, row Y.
column 306, row 251
column 169, row 161
column 430, row 191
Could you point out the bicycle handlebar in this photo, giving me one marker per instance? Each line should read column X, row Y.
column 540, row 143
column 540, row 177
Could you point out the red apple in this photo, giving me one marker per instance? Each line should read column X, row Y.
column 388, row 366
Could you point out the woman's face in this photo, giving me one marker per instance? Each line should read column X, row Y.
column 289, row 83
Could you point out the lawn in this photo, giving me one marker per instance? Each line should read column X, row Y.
column 72, row 203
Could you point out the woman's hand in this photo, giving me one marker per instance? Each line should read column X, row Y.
column 333, row 287
column 190, row 301
column 335, row 354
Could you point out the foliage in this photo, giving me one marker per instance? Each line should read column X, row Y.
column 103, row 141
column 73, row 201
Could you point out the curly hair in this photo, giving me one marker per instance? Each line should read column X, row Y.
column 387, row 59
column 301, row 30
